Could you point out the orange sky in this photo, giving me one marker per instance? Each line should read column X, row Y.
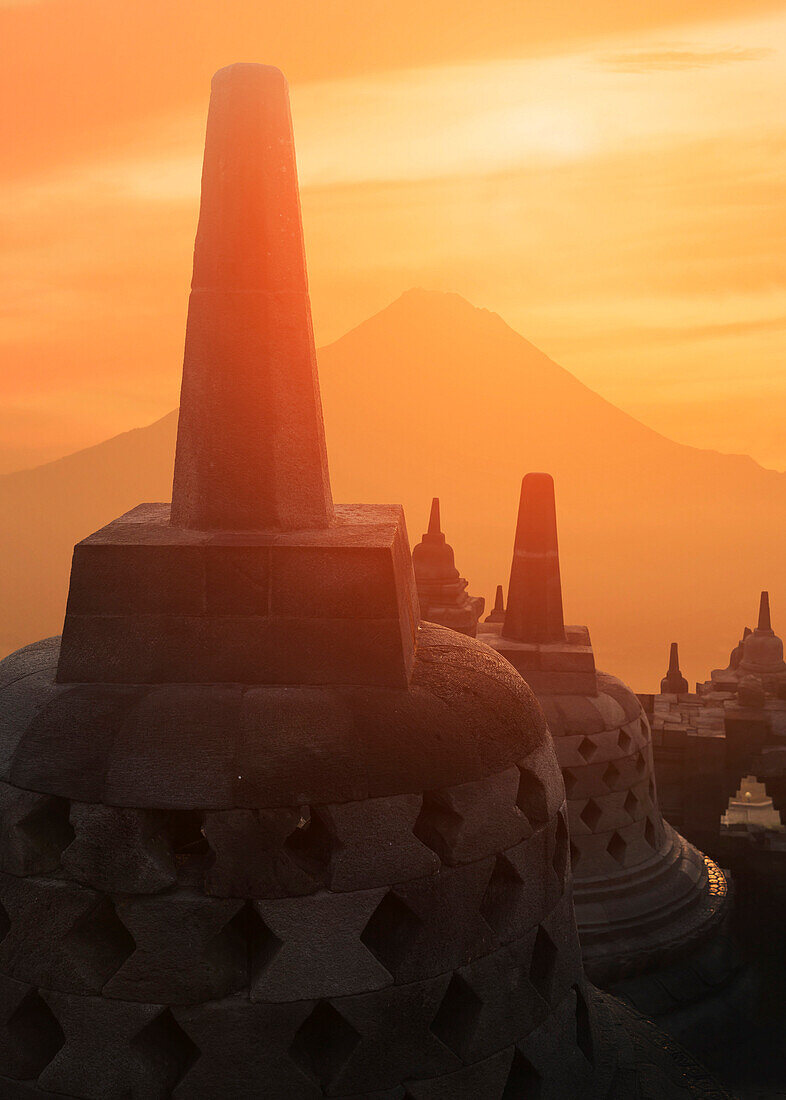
column 609, row 177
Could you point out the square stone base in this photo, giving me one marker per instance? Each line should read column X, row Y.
column 554, row 668
column 151, row 603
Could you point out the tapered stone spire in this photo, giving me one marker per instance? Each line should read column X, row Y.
column 674, row 682
column 497, row 614
column 434, row 524
column 251, row 575
column 250, row 364
column 534, row 612
column 764, row 623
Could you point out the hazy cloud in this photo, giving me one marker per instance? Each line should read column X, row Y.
column 677, row 59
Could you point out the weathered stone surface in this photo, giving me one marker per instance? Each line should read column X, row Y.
column 396, row 1038
column 264, row 853
column 114, row 1049
column 518, row 894
column 487, row 1078
column 469, row 822
column 467, row 714
column 60, row 936
column 153, row 603
column 541, row 789
column 242, row 1046
column 314, row 947
column 120, row 851
column 179, row 738
column 34, row 830
column 491, row 1003
column 68, row 743
column 372, row 843
column 24, row 677
column 431, row 925
column 298, row 746
column 186, row 948
column 30, row 1036
column 557, row 1058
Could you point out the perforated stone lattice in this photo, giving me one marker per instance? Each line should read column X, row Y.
column 114, row 942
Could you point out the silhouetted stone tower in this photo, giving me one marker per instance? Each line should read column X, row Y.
column 643, row 894
column 441, row 591
column 674, row 682
column 497, row 613
column 534, row 611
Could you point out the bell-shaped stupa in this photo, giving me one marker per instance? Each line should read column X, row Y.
column 441, row 591
column 643, row 894
column 759, row 654
column 261, row 833
column 762, row 650
column 674, row 683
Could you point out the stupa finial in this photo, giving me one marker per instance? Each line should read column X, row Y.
column 534, row 611
column 764, row 612
column 251, row 444
column 674, row 683
column 434, row 524
column 497, row 614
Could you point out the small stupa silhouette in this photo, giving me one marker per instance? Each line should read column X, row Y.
column 497, row 613
column 674, row 682
column 441, row 591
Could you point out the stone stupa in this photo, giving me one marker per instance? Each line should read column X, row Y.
column 751, row 806
column 759, row 654
column 261, row 832
column 644, row 897
column 674, row 683
column 497, row 613
column 762, row 649
column 442, row 592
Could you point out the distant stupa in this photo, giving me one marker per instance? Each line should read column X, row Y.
column 674, row 682
column 497, row 613
column 644, row 896
column 751, row 805
column 758, row 654
column 441, row 591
